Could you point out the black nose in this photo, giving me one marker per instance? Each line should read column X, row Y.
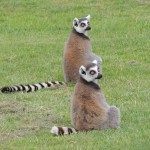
column 99, row 76
column 88, row 28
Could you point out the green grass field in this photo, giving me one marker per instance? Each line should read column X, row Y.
column 32, row 38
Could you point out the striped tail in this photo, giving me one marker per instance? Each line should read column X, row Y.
column 30, row 87
column 62, row 130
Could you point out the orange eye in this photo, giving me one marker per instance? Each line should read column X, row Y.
column 92, row 72
column 82, row 24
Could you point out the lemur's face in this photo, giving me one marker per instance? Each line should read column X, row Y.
column 90, row 72
column 82, row 25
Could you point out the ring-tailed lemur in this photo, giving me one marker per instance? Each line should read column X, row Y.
column 77, row 51
column 89, row 108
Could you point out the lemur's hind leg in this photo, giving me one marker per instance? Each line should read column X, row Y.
column 114, row 117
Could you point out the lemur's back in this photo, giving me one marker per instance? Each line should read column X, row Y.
column 76, row 53
column 88, row 111
column 78, row 50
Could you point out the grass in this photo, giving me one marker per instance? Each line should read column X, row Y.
column 32, row 37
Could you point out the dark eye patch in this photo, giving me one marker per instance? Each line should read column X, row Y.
column 92, row 72
column 83, row 72
column 76, row 24
column 82, row 24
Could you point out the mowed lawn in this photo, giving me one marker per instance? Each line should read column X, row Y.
column 32, row 38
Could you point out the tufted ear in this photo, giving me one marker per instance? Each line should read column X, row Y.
column 75, row 22
column 95, row 61
column 88, row 17
column 82, row 70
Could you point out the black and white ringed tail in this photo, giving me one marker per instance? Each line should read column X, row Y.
column 30, row 87
column 62, row 130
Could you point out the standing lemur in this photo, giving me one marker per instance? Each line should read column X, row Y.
column 77, row 51
column 89, row 109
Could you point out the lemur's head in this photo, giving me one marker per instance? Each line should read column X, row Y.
column 90, row 72
column 82, row 25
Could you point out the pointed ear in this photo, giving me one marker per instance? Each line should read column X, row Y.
column 88, row 17
column 82, row 70
column 95, row 62
column 75, row 22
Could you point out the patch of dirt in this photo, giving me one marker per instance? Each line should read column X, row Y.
column 144, row 2
column 41, row 121
column 28, row 125
column 133, row 62
column 20, row 133
column 8, row 58
column 11, row 107
column 32, row 127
